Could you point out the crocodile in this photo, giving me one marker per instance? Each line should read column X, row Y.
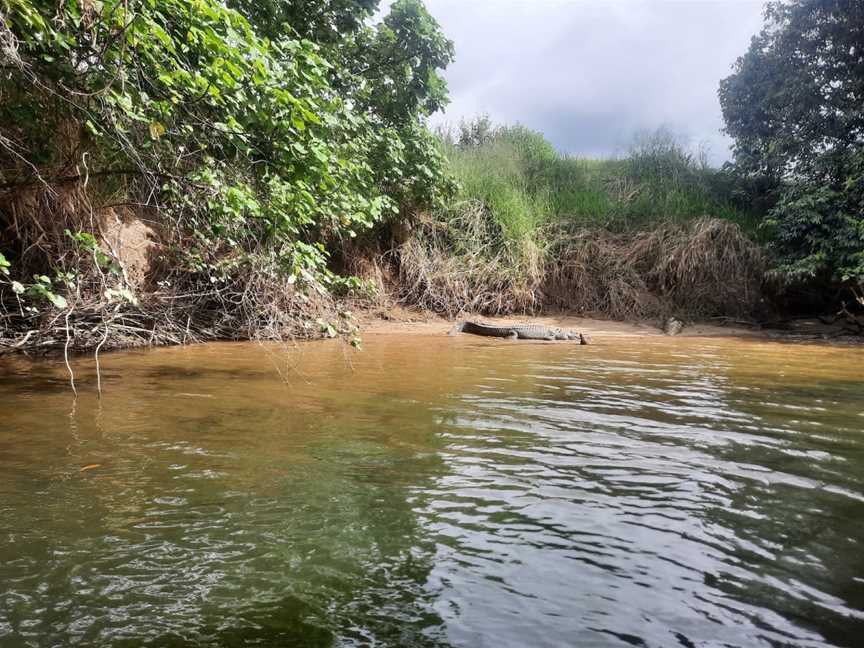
column 519, row 331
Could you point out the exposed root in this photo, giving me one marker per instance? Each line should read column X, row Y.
column 127, row 285
column 66, row 354
column 258, row 307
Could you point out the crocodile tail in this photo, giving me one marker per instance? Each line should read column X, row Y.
column 457, row 329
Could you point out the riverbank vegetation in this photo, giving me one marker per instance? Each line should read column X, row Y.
column 655, row 233
column 236, row 144
column 181, row 171
column 793, row 108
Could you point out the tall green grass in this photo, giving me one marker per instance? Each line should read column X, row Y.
column 526, row 184
column 494, row 175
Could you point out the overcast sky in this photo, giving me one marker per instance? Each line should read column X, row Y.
column 591, row 74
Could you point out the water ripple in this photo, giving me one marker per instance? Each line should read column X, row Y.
column 477, row 493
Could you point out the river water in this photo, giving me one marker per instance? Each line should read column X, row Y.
column 435, row 491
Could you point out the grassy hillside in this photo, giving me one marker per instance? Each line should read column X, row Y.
column 526, row 182
column 655, row 233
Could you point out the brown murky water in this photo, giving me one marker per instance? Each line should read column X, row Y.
column 436, row 492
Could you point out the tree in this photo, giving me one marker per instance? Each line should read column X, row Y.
column 794, row 108
column 388, row 71
column 254, row 133
column 321, row 21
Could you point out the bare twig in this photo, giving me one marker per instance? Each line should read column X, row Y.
column 66, row 355
column 96, row 356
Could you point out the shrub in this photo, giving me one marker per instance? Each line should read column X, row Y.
column 249, row 144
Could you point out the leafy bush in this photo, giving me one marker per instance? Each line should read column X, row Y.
column 252, row 133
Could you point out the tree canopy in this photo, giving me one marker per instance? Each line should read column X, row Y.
column 794, row 108
column 268, row 125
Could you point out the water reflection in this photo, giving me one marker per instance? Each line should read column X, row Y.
column 436, row 492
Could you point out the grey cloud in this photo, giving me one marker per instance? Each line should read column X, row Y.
column 592, row 74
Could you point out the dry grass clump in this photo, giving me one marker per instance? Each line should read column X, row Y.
column 465, row 263
column 35, row 217
column 365, row 262
column 705, row 268
column 589, row 271
column 699, row 269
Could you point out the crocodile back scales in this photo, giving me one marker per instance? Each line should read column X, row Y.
column 523, row 331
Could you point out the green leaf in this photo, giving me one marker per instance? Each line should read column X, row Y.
column 162, row 36
column 157, row 130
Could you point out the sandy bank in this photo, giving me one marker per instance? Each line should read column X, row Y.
column 404, row 322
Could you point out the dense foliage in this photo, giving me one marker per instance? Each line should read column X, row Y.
column 257, row 132
column 794, row 106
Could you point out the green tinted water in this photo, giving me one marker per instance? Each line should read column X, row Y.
column 436, row 492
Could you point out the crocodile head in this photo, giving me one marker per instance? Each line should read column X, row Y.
column 555, row 333
column 563, row 334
